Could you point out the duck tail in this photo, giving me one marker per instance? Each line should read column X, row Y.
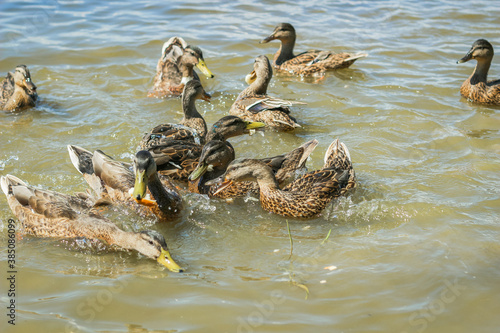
column 294, row 161
column 337, row 155
column 7, row 181
column 307, row 148
column 81, row 159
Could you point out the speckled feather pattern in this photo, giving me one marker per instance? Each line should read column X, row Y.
column 481, row 92
column 302, row 64
column 307, row 196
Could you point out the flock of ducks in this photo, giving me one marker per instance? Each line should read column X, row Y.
column 202, row 158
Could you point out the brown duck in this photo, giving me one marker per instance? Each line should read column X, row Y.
column 178, row 158
column 175, row 68
column 477, row 88
column 254, row 104
column 44, row 213
column 309, row 62
column 216, row 156
column 17, row 90
column 305, row 197
column 192, row 127
column 132, row 184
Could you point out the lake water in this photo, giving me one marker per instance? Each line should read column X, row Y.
column 415, row 249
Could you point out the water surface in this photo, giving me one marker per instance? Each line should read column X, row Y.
column 415, row 249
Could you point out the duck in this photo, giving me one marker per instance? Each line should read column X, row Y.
column 477, row 88
column 306, row 197
column 45, row 213
column 254, row 104
column 18, row 90
column 216, row 156
column 133, row 184
column 178, row 158
column 313, row 62
column 192, row 127
column 175, row 68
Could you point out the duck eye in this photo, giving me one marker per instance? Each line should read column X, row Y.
column 151, row 242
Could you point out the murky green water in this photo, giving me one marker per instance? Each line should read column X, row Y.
column 415, row 249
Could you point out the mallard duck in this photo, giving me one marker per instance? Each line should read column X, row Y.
column 175, row 68
column 46, row 213
column 216, row 156
column 122, row 182
column 254, row 104
column 178, row 158
column 309, row 62
column 192, row 126
column 17, row 90
column 477, row 88
column 305, row 197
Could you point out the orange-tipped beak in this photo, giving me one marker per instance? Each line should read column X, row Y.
column 223, row 185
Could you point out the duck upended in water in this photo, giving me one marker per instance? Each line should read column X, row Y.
column 309, row 62
column 254, row 104
column 46, row 213
column 477, row 88
column 175, row 68
column 17, row 90
column 305, row 197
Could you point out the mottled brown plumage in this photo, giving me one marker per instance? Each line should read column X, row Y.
column 254, row 104
column 305, row 197
column 337, row 156
column 175, row 68
column 192, row 126
column 123, row 182
column 178, row 158
column 215, row 158
column 309, row 62
column 44, row 213
column 477, row 88
column 17, row 90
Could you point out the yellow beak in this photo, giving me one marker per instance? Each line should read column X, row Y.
column 254, row 124
column 140, row 185
column 200, row 170
column 204, row 69
column 250, row 78
column 166, row 260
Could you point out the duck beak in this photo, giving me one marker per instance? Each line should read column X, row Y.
column 221, row 181
column 206, row 96
column 199, row 171
column 250, row 78
column 166, row 260
column 467, row 57
column 254, row 125
column 223, row 185
column 140, row 186
column 268, row 39
column 202, row 66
